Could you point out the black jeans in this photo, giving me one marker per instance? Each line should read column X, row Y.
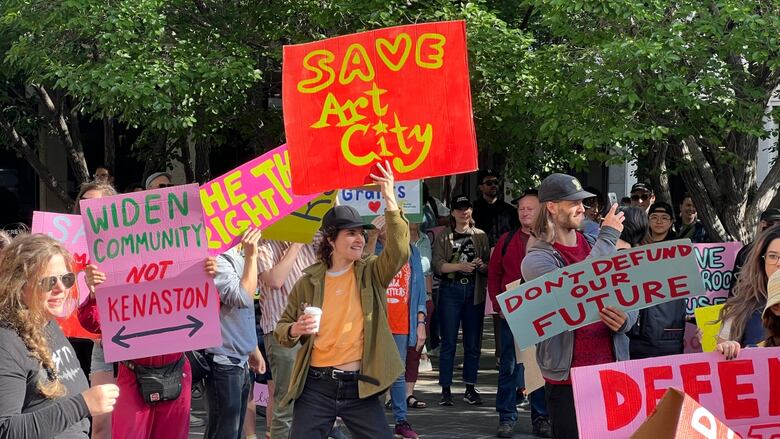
column 227, row 393
column 560, row 408
column 324, row 398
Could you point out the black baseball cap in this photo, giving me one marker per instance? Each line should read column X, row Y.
column 525, row 193
column 661, row 207
column 482, row 173
column 640, row 187
column 460, row 202
column 562, row 187
column 344, row 217
column 771, row 214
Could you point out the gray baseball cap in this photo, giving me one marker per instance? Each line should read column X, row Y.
column 562, row 187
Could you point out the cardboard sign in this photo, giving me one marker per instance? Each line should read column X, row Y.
column 157, row 298
column 303, row 224
column 707, row 321
column 716, row 262
column 68, row 230
column 257, row 193
column 571, row 297
column 618, row 397
column 678, row 416
column 399, row 94
column 370, row 203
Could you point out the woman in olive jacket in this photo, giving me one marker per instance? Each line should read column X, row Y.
column 349, row 356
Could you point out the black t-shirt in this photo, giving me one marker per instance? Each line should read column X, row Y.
column 463, row 251
column 24, row 411
column 494, row 219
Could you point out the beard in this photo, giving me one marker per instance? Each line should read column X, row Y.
column 570, row 221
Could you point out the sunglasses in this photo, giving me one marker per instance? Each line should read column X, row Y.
column 643, row 197
column 67, row 279
column 164, row 185
column 493, row 182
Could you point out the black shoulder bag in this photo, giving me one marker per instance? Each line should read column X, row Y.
column 158, row 384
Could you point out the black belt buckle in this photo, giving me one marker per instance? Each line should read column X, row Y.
column 343, row 375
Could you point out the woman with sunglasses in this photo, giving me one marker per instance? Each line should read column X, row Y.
column 44, row 391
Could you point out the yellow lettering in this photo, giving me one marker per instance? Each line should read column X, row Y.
column 212, row 244
column 331, row 107
column 266, row 168
column 426, row 138
column 236, row 228
column 232, row 184
column 216, row 224
column 398, row 130
column 375, row 92
column 268, row 196
column 216, row 197
column 382, row 45
column 283, row 165
column 348, row 154
column 434, row 60
column 315, row 84
column 255, row 207
column 356, row 63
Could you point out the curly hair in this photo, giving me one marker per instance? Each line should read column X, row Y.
column 5, row 239
column 325, row 248
column 750, row 290
column 106, row 188
column 22, row 264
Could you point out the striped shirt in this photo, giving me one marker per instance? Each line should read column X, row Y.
column 274, row 301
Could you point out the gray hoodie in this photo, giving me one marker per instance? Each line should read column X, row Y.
column 554, row 355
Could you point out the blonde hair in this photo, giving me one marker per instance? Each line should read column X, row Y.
column 22, row 264
column 105, row 188
column 543, row 227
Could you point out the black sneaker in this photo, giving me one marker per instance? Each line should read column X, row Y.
column 542, row 427
column 446, row 397
column 505, row 430
column 472, row 397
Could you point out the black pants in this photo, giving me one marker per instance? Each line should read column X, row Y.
column 560, row 407
column 227, row 395
column 324, row 398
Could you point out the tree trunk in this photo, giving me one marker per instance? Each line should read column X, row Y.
column 657, row 171
column 69, row 135
column 152, row 163
column 109, row 144
column 186, row 160
column 20, row 145
column 202, row 161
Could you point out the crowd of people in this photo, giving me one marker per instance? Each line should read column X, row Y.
column 337, row 327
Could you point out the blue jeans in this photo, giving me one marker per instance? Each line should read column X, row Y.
column 510, row 377
column 456, row 306
column 398, row 389
column 227, row 393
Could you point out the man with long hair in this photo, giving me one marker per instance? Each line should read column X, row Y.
column 558, row 244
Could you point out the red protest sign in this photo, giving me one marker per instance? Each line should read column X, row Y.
column 678, row 416
column 399, row 94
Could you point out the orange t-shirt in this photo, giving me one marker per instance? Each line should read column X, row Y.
column 340, row 339
column 398, row 301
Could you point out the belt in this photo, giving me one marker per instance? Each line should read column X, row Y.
column 462, row 281
column 341, row 375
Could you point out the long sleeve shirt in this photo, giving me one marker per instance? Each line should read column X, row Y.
column 24, row 411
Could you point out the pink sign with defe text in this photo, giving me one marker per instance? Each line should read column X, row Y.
column 257, row 194
column 613, row 400
column 157, row 298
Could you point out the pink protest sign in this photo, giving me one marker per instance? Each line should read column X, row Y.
column 260, row 394
column 716, row 262
column 68, row 230
column 613, row 400
column 257, row 193
column 157, row 298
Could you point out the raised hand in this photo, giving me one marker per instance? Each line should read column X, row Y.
column 386, row 183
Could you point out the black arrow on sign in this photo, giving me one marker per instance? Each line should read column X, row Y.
column 120, row 337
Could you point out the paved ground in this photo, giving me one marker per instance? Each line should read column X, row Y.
column 461, row 421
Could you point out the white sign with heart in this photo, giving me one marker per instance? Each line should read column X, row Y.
column 370, row 203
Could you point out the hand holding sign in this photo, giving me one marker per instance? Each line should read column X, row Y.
column 613, row 219
column 729, row 349
column 249, row 242
column 94, row 278
column 613, row 318
column 386, row 183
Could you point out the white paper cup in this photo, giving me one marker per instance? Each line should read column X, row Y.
column 316, row 312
